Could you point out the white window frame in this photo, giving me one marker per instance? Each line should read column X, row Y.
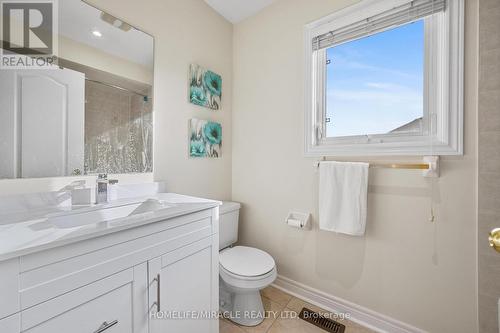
column 443, row 88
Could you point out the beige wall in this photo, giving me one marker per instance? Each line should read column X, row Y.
column 405, row 267
column 185, row 31
column 489, row 162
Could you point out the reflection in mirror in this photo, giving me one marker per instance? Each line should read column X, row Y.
column 93, row 113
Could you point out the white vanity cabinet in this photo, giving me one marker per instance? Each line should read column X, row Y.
column 117, row 282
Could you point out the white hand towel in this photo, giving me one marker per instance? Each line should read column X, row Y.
column 343, row 195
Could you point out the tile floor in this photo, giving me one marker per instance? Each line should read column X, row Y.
column 278, row 301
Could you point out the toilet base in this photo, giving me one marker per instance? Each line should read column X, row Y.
column 243, row 307
column 247, row 309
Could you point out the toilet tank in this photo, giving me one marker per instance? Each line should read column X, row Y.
column 229, row 213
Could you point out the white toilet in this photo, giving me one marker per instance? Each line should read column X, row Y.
column 243, row 271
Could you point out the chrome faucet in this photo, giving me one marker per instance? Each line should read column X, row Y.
column 101, row 188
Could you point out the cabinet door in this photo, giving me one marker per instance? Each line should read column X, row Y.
column 113, row 304
column 186, row 297
column 11, row 324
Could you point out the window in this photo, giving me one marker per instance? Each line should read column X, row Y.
column 374, row 85
column 385, row 79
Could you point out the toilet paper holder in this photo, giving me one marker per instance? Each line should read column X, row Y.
column 298, row 219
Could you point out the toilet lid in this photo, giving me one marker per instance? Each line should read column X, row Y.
column 246, row 261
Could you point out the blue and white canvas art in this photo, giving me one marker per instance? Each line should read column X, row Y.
column 205, row 138
column 205, row 87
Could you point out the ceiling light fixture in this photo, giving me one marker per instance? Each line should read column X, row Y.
column 117, row 23
column 97, row 33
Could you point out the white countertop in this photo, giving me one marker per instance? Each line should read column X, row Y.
column 34, row 231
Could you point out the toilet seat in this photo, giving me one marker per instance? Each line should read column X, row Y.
column 246, row 267
column 245, row 282
column 246, row 261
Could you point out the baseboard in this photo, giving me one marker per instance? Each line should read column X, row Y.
column 361, row 315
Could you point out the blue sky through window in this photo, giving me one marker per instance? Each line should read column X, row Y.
column 375, row 84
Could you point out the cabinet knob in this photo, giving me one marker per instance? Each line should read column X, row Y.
column 495, row 239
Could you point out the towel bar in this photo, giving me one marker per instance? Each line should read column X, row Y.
column 430, row 166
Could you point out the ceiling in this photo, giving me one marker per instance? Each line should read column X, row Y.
column 237, row 10
column 77, row 20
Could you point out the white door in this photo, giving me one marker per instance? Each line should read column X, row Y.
column 488, row 189
column 42, row 114
column 187, row 289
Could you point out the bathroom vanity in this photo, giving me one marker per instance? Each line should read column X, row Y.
column 137, row 265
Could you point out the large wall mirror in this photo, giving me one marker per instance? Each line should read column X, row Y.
column 90, row 114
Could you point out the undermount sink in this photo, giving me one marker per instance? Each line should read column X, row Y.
column 105, row 214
